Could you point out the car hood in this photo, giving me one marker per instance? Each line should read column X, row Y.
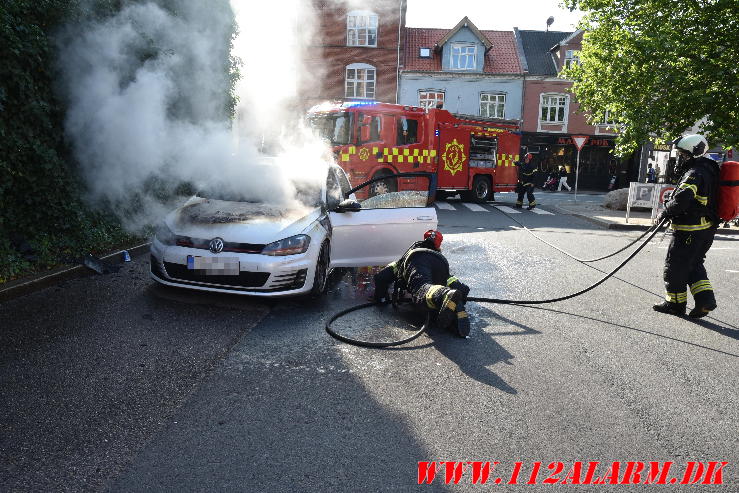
column 241, row 222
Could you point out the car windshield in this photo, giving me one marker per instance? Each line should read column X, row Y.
column 334, row 127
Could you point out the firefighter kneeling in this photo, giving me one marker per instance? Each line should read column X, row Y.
column 424, row 272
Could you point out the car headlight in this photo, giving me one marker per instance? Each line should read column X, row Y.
column 288, row 246
column 165, row 235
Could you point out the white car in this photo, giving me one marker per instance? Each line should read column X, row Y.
column 252, row 248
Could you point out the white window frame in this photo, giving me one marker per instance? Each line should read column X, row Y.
column 361, row 27
column 495, row 100
column 571, row 57
column 563, row 102
column 466, row 50
column 432, row 97
column 367, row 84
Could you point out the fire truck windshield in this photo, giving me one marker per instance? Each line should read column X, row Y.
column 334, row 127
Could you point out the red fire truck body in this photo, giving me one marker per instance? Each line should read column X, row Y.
column 472, row 155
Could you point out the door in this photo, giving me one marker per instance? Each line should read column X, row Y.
column 454, row 156
column 382, row 227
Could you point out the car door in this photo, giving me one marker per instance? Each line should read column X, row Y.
column 379, row 229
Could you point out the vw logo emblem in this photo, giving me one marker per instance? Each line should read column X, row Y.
column 216, row 245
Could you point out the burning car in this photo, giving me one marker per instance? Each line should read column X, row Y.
column 237, row 244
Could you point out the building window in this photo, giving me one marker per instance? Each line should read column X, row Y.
column 424, row 52
column 361, row 29
column 553, row 108
column 464, row 56
column 492, row 105
column 571, row 58
column 431, row 99
column 360, row 81
column 609, row 120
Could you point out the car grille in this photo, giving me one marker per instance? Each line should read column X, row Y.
column 245, row 279
column 228, row 246
column 290, row 280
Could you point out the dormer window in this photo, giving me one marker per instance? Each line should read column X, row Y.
column 571, row 58
column 424, row 52
column 463, row 56
column 361, row 28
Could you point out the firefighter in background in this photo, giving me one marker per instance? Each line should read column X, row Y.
column 424, row 272
column 526, row 177
column 693, row 212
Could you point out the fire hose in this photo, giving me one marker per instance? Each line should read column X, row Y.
column 651, row 232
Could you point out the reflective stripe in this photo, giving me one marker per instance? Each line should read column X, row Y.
column 429, row 296
column 701, row 199
column 704, row 224
column 462, row 314
column 451, row 280
column 700, row 286
column 532, row 203
column 694, row 188
column 677, row 297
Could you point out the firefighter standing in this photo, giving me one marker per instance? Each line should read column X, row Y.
column 424, row 272
column 693, row 212
column 526, row 176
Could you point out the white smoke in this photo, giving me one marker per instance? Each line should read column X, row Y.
column 147, row 100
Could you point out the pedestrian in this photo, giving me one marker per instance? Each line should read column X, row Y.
column 657, row 172
column 526, row 177
column 651, row 174
column 424, row 272
column 694, row 215
column 563, row 179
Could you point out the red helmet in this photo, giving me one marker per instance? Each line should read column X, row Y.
column 435, row 236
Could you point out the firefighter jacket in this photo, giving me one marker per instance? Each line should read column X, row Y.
column 526, row 173
column 419, row 265
column 693, row 205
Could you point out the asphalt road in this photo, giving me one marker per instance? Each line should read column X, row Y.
column 112, row 383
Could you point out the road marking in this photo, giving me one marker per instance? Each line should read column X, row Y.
column 507, row 210
column 539, row 211
column 732, row 271
column 446, row 206
column 475, row 207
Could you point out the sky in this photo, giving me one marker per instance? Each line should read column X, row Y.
column 491, row 14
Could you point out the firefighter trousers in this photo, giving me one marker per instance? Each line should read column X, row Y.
column 684, row 267
column 528, row 190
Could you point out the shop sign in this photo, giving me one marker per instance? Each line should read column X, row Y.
column 591, row 142
column 662, row 147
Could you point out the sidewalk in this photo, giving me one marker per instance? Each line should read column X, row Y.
column 639, row 220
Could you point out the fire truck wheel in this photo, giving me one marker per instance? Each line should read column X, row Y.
column 481, row 189
column 384, row 186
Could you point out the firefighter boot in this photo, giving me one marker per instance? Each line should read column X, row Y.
column 670, row 308
column 463, row 322
column 701, row 311
column 448, row 311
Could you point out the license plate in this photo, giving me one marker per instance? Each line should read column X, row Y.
column 214, row 266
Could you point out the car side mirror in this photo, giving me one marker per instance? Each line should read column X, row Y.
column 349, row 205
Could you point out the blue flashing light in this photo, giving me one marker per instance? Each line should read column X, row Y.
column 436, row 132
column 352, row 104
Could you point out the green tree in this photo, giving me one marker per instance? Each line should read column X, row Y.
column 660, row 66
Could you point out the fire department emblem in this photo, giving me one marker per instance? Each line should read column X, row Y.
column 364, row 154
column 453, row 157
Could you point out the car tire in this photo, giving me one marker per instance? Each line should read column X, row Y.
column 384, row 186
column 482, row 190
column 320, row 277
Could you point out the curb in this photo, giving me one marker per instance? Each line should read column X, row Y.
column 629, row 227
column 20, row 287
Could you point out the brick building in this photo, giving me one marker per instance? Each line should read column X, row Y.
column 358, row 51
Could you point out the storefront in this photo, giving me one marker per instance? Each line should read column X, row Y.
column 597, row 161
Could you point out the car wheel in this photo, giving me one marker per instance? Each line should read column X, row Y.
column 481, row 189
column 320, row 278
column 383, row 186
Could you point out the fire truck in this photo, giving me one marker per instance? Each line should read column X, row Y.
column 471, row 155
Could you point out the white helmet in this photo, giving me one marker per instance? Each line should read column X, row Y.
column 695, row 145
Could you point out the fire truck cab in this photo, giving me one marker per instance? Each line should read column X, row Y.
column 471, row 155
